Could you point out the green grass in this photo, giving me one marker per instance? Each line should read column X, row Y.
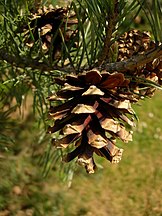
column 133, row 187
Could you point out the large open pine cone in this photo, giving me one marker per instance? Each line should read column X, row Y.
column 96, row 111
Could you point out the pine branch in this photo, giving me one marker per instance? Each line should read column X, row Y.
column 122, row 66
column 135, row 61
column 30, row 63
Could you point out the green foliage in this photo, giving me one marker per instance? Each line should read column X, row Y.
column 153, row 12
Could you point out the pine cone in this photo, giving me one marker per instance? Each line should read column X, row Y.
column 95, row 112
column 130, row 44
column 46, row 25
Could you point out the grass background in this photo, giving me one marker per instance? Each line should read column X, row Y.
column 132, row 187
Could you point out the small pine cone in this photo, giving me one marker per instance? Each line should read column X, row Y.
column 46, row 24
column 133, row 43
column 95, row 112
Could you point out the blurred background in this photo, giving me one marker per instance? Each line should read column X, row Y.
column 34, row 183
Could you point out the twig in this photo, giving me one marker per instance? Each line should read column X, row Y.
column 122, row 66
column 135, row 61
column 109, row 31
column 30, row 63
